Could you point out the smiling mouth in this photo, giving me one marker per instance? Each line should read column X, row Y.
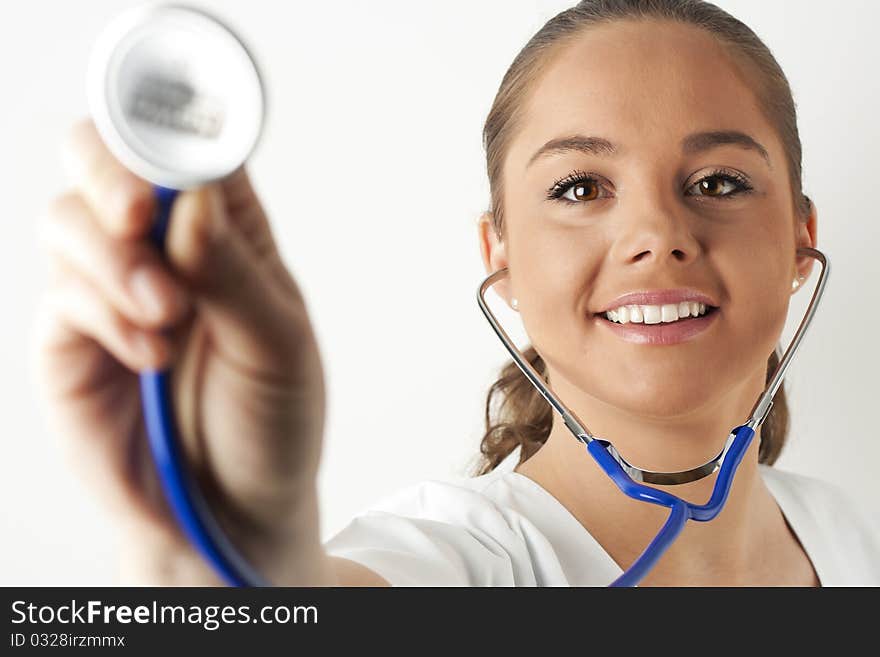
column 669, row 332
column 648, row 316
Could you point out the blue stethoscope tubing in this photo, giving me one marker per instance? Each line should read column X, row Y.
column 190, row 508
column 680, row 510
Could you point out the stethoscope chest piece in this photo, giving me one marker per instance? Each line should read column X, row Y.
column 175, row 95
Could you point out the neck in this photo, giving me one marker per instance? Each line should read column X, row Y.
column 723, row 549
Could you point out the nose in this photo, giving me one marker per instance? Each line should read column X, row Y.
column 653, row 234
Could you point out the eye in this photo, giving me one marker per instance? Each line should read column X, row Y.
column 578, row 187
column 713, row 185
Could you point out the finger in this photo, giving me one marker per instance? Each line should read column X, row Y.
column 131, row 274
column 246, row 213
column 80, row 309
column 259, row 321
column 70, row 365
column 123, row 203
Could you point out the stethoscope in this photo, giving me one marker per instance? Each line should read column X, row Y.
column 159, row 89
column 178, row 99
column 630, row 478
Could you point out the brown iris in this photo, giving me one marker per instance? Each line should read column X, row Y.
column 579, row 191
column 712, row 184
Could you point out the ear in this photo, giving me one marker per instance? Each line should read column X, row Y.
column 494, row 253
column 805, row 235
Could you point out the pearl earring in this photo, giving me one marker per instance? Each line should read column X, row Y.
column 514, row 303
column 796, row 283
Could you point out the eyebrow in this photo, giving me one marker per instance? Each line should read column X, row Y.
column 697, row 142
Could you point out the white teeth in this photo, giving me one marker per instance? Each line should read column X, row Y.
column 652, row 314
column 668, row 312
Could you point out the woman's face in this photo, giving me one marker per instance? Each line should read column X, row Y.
column 653, row 219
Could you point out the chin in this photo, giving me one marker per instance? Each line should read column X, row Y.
column 664, row 397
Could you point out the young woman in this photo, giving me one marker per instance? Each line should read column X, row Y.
column 633, row 146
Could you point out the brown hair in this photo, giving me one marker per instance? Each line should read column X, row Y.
column 515, row 412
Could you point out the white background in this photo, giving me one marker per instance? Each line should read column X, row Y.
column 371, row 167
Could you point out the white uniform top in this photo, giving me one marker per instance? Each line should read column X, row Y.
column 504, row 529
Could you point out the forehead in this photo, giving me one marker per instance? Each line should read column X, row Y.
column 641, row 85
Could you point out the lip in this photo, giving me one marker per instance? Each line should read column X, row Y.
column 669, row 333
column 659, row 297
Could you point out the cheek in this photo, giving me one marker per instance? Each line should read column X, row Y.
column 556, row 277
column 554, row 270
column 759, row 292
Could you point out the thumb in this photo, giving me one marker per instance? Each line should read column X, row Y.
column 249, row 316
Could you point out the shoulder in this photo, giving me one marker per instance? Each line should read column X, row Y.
column 473, row 503
column 819, row 498
column 840, row 534
column 450, row 532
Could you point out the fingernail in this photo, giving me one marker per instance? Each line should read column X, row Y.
column 154, row 293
